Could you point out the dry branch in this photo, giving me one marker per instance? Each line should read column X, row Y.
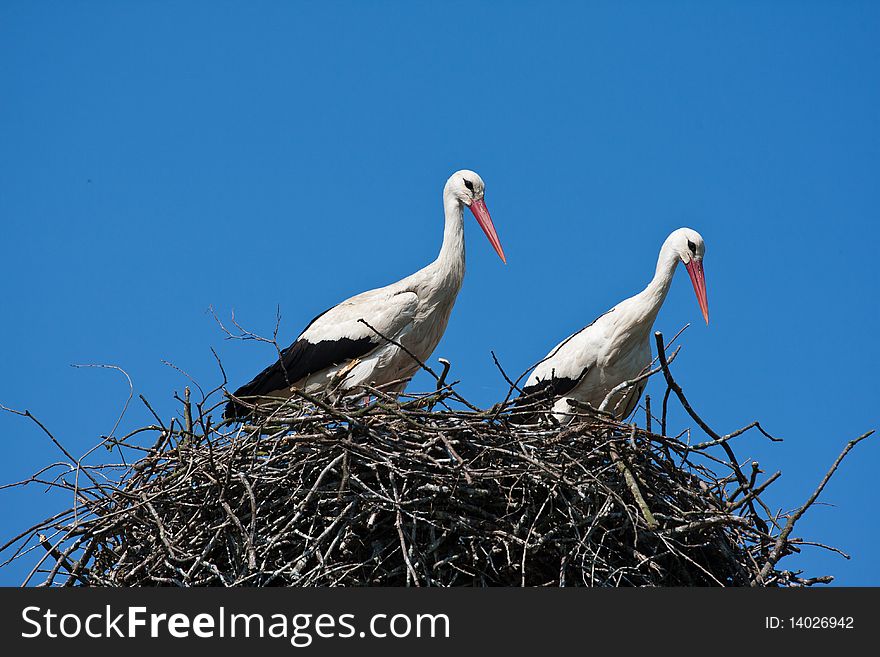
column 323, row 492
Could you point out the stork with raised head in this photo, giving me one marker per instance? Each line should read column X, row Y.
column 616, row 347
column 365, row 339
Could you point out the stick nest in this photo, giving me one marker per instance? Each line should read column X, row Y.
column 427, row 490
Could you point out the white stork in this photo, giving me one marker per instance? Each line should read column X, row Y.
column 616, row 347
column 358, row 341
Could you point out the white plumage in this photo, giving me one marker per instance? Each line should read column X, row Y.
column 353, row 343
column 616, row 347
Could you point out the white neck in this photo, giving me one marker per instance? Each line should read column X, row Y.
column 649, row 300
column 451, row 259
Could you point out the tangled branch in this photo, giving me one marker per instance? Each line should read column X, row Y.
column 394, row 492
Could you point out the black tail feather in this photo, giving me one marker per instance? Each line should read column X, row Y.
column 235, row 410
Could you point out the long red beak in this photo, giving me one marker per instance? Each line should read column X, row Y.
column 482, row 214
column 698, row 278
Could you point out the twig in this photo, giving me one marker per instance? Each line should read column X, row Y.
column 781, row 541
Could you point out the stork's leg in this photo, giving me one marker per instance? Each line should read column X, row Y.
column 398, row 389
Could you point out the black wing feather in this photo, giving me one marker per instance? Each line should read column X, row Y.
column 543, row 392
column 299, row 360
column 553, row 387
column 550, row 389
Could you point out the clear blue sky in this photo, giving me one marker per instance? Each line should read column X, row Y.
column 161, row 157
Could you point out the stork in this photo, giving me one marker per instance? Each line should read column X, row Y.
column 373, row 337
column 615, row 347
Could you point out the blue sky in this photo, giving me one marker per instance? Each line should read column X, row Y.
column 162, row 157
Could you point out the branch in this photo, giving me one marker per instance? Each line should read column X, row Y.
column 782, row 540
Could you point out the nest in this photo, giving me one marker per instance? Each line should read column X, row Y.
column 425, row 490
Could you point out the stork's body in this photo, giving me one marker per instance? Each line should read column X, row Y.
column 616, row 347
column 365, row 339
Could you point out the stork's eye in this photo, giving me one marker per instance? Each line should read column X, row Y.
column 469, row 184
column 692, row 247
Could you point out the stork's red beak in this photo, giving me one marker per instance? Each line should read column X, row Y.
column 698, row 278
column 478, row 207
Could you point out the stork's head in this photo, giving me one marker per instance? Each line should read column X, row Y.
column 468, row 188
column 689, row 246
